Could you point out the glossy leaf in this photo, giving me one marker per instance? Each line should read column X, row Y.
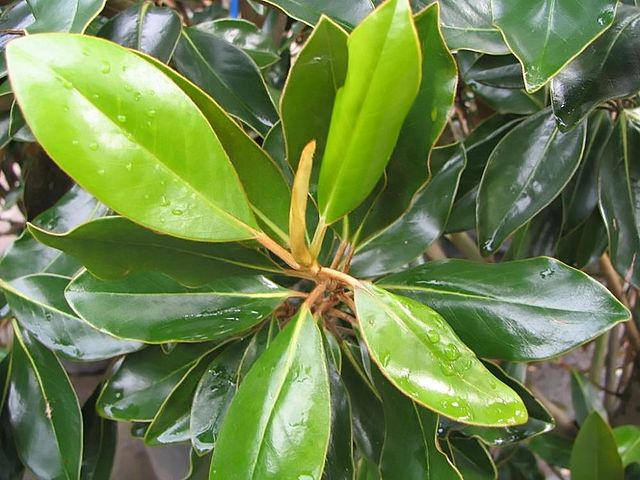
column 152, row 308
column 407, row 168
column 628, row 441
column 99, row 442
column 142, row 381
column 523, row 303
column 67, row 16
column 113, row 247
column 9, row 459
column 245, row 35
column 539, row 422
column 411, row 449
column 422, row 356
column 595, row 455
column 384, row 62
column 65, row 73
column 518, row 463
column 38, row 303
column 471, row 458
column 26, row 256
column 619, row 175
column 16, row 16
column 314, row 80
column 227, row 74
column 147, row 28
column 562, row 30
column 279, row 422
column 584, row 244
column 260, row 176
column 348, row 14
column 410, row 235
column 467, row 25
column 606, row 70
column 536, row 161
column 43, row 411
column 553, row 449
column 171, row 423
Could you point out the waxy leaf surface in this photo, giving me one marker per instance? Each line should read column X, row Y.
column 122, row 129
column 279, row 422
column 513, row 310
column 535, row 161
column 594, row 455
column 153, row 308
column 381, row 84
column 560, row 31
column 628, row 441
column 348, row 14
column 65, row 16
column 43, row 411
column 423, row 357
column 99, row 442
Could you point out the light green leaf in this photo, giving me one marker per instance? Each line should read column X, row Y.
column 122, row 124
column 43, row 411
column 381, row 84
column 279, row 422
column 152, row 308
column 422, row 356
column 594, row 455
column 561, row 30
column 628, row 440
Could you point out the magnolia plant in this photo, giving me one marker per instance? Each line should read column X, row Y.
column 256, row 273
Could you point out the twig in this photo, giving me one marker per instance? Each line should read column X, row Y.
column 435, row 251
column 597, row 361
column 611, row 367
column 466, row 245
column 342, row 315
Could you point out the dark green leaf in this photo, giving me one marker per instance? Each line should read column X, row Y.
column 153, row 308
column 407, row 168
column 12, row 468
column 348, row 14
column 14, row 17
column 113, row 247
column 227, row 74
column 561, row 31
column 539, row 236
column 142, row 381
column 309, row 94
column 286, row 390
column 628, row 441
column 410, row 235
column 63, row 16
column 553, row 449
column 411, row 449
column 43, row 411
column 245, row 35
column 536, row 161
column 99, row 439
column 384, row 64
column 422, row 356
column 595, row 455
column 467, row 25
column 619, row 191
column 38, row 303
column 512, row 310
column 518, row 463
column 147, row 28
column 584, row 244
column 140, row 110
column 606, row 70
column 471, row 458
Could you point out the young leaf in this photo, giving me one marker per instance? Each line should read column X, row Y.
column 348, row 14
column 113, row 247
column 521, row 303
column 44, row 411
column 628, row 441
column 38, row 303
column 147, row 28
column 65, row 16
column 407, row 168
column 152, row 308
column 536, row 160
column 410, row 235
column 594, row 455
column 313, row 82
column 142, row 381
column 562, row 30
column 279, row 422
column 384, row 64
column 206, row 60
column 602, row 72
column 422, row 356
column 109, row 101
column 620, row 198
column 411, row 449
column 298, row 213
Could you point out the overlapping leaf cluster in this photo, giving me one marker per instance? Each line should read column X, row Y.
column 246, row 233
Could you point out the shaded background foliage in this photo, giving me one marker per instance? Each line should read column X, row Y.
column 532, row 138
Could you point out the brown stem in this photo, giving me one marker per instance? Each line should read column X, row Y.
column 339, row 253
column 330, row 273
column 348, row 302
column 315, row 294
column 342, row 315
column 277, row 250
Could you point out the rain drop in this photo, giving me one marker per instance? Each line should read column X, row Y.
column 74, row 142
column 96, row 96
column 547, row 273
column 164, row 202
column 106, row 68
column 493, row 384
column 433, row 336
column 177, row 211
column 122, row 118
column 67, row 84
column 65, row 108
column 101, row 171
column 151, row 113
column 452, row 352
column 129, row 166
column 137, row 96
column 93, row 146
column 447, row 369
column 385, row 359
